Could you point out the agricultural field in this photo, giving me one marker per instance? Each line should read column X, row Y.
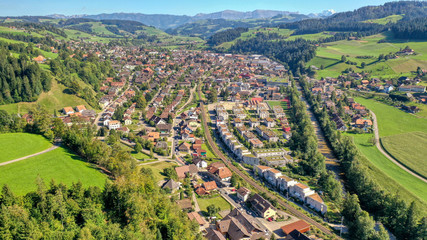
column 157, row 169
column 60, row 165
column 329, row 55
column 391, row 120
column 389, row 175
column 55, row 99
column 398, row 145
column 17, row 145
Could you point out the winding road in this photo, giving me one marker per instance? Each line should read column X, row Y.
column 379, row 146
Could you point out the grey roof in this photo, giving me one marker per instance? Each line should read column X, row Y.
column 171, row 184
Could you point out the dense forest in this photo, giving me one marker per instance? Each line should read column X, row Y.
column 292, row 54
column 413, row 29
column 21, row 79
column 226, row 36
column 403, row 220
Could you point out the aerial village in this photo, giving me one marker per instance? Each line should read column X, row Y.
column 248, row 118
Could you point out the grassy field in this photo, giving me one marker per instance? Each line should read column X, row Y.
column 329, row 55
column 393, row 121
column 398, row 145
column 16, row 145
column 385, row 20
column 139, row 156
column 217, row 201
column 59, row 164
column 157, row 169
column 55, row 99
column 389, row 175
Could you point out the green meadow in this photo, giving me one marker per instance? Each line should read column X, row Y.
column 390, row 176
column 17, row 145
column 59, row 165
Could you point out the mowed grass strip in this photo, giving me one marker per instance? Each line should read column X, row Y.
column 390, row 176
column 392, row 120
column 59, row 165
column 399, row 147
column 17, row 145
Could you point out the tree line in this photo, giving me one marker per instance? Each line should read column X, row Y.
column 391, row 210
column 304, row 146
column 226, row 36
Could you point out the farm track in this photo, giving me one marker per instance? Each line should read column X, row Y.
column 29, row 156
column 383, row 151
column 249, row 180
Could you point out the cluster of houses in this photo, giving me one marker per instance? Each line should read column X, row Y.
column 77, row 115
column 166, row 111
column 275, row 156
column 292, row 187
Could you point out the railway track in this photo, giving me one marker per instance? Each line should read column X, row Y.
column 229, row 164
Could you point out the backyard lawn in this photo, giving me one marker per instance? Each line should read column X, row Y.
column 217, row 201
column 157, row 169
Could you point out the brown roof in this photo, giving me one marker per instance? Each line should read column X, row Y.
column 243, row 191
column 185, row 203
column 181, row 171
column 210, row 185
column 301, row 185
column 214, row 235
column 316, row 198
column 263, row 167
column 224, row 173
column 197, row 217
column 299, row 225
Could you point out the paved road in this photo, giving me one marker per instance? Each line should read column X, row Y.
column 229, row 164
column 32, row 155
column 379, row 146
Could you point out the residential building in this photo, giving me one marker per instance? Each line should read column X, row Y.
column 113, row 124
column 284, row 183
column 300, row 191
column 315, row 202
column 299, row 225
column 262, row 207
column 238, row 225
column 185, row 170
column 243, row 194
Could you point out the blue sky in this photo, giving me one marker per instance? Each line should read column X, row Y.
column 177, row 7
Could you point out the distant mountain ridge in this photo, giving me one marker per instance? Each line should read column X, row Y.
column 168, row 21
column 236, row 15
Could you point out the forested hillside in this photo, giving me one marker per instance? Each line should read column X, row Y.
column 21, row 79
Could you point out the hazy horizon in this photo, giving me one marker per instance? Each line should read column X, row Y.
column 184, row 7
